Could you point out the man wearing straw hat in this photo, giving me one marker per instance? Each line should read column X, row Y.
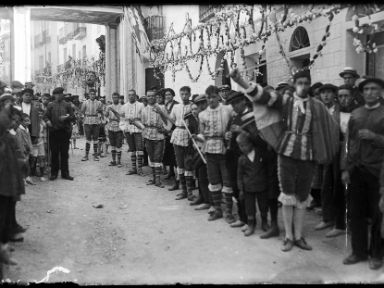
column 350, row 77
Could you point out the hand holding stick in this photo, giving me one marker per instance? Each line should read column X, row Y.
column 194, row 143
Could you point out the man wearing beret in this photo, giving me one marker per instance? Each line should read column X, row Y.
column 361, row 170
column 350, row 77
column 307, row 135
column 59, row 117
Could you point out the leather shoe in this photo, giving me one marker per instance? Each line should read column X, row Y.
column 353, row 259
column 16, row 238
column 237, row 224
column 301, row 243
column 67, row 177
column 287, row 245
column 334, row 233
column 174, row 187
column 215, row 215
column 53, row 177
column 375, row 263
column 272, row 232
column 323, row 225
column 203, row 206
column 197, row 201
column 181, row 196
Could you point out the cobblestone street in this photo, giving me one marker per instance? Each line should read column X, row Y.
column 142, row 235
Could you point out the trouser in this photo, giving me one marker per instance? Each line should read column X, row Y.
column 203, row 183
column 231, row 162
column 219, row 181
column 91, row 132
column 155, row 149
column 363, row 201
column 5, row 218
column 250, row 204
column 273, row 184
column 181, row 160
column 59, row 143
column 332, row 195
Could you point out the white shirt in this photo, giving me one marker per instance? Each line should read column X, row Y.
column 344, row 118
column 331, row 109
column 132, row 111
column 26, row 108
column 251, row 155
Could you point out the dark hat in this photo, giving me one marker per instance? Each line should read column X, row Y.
column 6, row 96
column 3, row 84
column 58, row 90
column 199, row 98
column 345, row 87
column 328, row 86
column 233, row 96
column 224, row 88
column 378, row 81
column 349, row 70
column 281, row 85
column 27, row 90
column 302, row 74
column 29, row 84
column 17, row 85
column 316, row 85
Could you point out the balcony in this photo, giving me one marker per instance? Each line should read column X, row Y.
column 45, row 37
column 80, row 33
column 154, row 26
column 62, row 37
column 206, row 12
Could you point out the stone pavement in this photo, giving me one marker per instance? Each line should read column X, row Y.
column 141, row 235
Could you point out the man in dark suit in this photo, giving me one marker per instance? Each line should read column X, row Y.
column 59, row 116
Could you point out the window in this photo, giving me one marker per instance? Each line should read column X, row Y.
column 375, row 65
column 84, row 51
column 74, row 50
column 299, row 39
column 65, row 55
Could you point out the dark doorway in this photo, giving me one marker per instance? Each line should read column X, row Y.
column 152, row 81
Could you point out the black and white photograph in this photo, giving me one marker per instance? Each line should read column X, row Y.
column 164, row 144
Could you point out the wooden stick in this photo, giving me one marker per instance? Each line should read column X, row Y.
column 194, row 142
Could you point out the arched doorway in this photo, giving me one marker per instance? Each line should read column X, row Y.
column 299, row 46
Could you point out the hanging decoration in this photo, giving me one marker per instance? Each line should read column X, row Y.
column 317, row 54
column 174, row 51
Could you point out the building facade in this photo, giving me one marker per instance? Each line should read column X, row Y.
column 56, row 46
column 299, row 43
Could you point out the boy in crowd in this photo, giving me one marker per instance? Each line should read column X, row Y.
column 132, row 111
column 91, row 110
column 180, row 141
column 115, row 134
column 213, row 124
column 252, row 181
column 39, row 147
column 25, row 143
column 153, row 124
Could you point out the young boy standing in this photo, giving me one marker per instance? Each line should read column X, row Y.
column 153, row 125
column 115, row 134
column 213, row 125
column 252, row 181
column 132, row 111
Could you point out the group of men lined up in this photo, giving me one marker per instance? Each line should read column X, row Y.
column 264, row 145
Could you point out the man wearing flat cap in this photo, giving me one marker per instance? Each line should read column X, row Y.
column 361, row 170
column 350, row 77
column 59, row 117
column 224, row 91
